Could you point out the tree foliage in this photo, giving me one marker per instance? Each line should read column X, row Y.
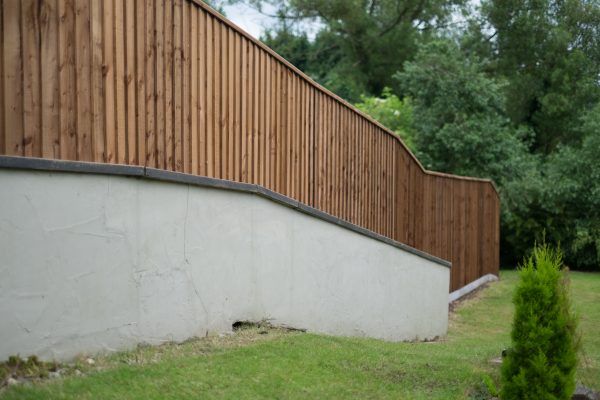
column 459, row 116
column 296, row 48
column 572, row 195
column 549, row 50
column 392, row 112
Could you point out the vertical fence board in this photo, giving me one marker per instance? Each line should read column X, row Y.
column 255, row 114
column 217, row 92
column 209, row 97
column 32, row 124
column 394, row 189
column 168, row 86
column 307, row 143
column 318, row 149
column 13, row 77
column 143, row 20
column 237, row 125
column 178, row 131
column 312, row 149
column 193, row 79
column 120, row 78
column 83, row 61
column 130, row 72
column 2, row 88
column 50, row 112
column 328, row 195
column 230, row 105
column 363, row 172
column 286, row 128
column 292, row 123
column 272, row 128
column 267, row 97
column 108, row 69
column 224, row 120
column 249, row 99
column 150, row 143
column 276, row 127
column 202, row 92
column 244, row 116
column 261, row 119
column 67, row 106
column 50, row 127
column 159, row 84
column 185, row 94
column 391, row 188
column 297, row 138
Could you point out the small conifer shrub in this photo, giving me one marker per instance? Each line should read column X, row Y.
column 541, row 364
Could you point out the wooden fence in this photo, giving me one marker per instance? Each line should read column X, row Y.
column 171, row 84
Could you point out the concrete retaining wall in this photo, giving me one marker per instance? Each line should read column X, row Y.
column 94, row 262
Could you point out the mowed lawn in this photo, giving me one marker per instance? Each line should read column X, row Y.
column 255, row 363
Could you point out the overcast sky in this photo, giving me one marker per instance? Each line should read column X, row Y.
column 248, row 19
column 253, row 22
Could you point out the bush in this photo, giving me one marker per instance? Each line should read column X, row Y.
column 393, row 112
column 541, row 364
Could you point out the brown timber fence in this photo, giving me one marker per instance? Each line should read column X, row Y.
column 171, row 84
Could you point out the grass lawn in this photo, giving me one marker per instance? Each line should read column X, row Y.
column 282, row 364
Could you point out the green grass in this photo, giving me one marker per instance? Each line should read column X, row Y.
column 297, row 365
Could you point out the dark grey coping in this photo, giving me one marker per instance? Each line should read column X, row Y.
column 40, row 164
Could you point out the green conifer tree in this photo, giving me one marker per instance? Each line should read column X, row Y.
column 541, row 364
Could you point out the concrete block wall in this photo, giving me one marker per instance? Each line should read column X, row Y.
column 94, row 262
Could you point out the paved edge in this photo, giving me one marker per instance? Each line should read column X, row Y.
column 457, row 294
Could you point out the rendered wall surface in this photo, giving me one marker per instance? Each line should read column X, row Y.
column 98, row 263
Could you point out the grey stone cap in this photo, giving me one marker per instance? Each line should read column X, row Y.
column 42, row 164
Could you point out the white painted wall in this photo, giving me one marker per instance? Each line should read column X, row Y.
column 93, row 263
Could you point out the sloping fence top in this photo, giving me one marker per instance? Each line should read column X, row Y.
column 173, row 85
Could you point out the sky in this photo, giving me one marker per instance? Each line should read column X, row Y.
column 253, row 22
column 248, row 18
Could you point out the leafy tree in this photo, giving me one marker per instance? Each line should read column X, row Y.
column 549, row 50
column 572, row 195
column 321, row 59
column 296, row 48
column 562, row 199
column 459, row 116
column 392, row 112
column 461, row 127
column 542, row 361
